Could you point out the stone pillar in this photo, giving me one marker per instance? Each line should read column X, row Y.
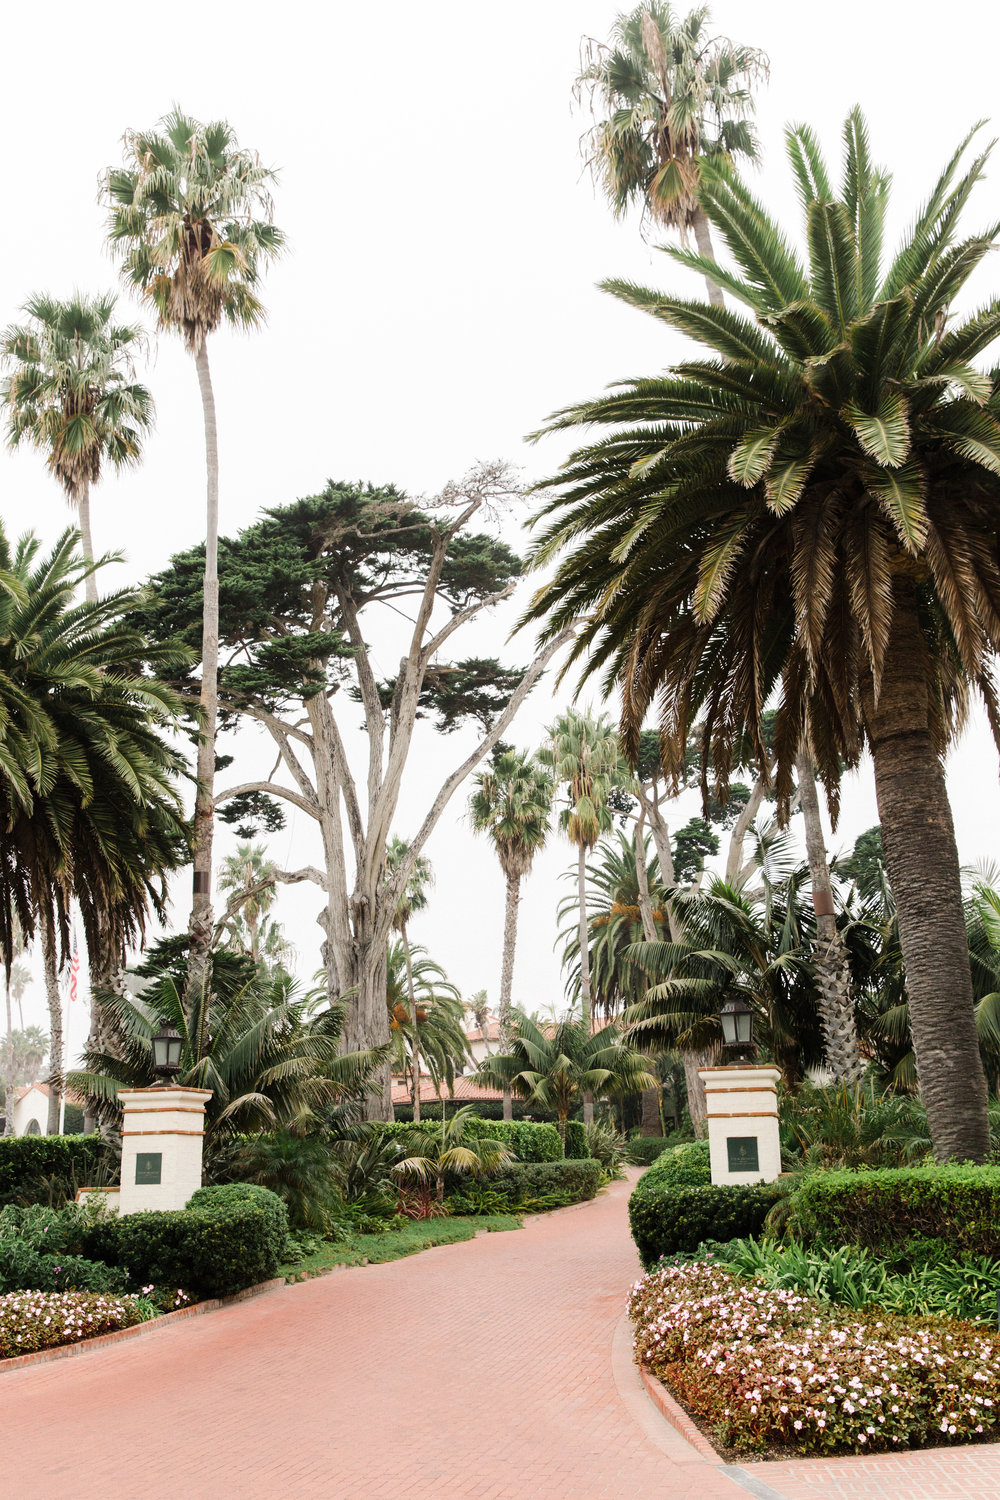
column 162, row 1132
column 742, row 1108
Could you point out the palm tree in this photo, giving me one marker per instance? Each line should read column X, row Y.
column 413, row 898
column 88, row 802
column 432, row 1151
column 71, row 393
column 809, row 515
column 512, row 806
column 563, row 1065
column 248, row 878
column 426, row 1019
column 191, row 219
column 673, row 97
column 267, row 1062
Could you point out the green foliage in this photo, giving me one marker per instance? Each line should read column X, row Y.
column 606, row 1145
column 30, row 1321
column 38, row 1251
column 33, row 1166
column 692, row 845
column 675, row 1207
column 577, row 1145
column 903, row 1214
column 528, row 1141
column 299, row 1169
column 398, row 1241
column 228, row 1238
column 845, row 1127
column 532, row 1186
column 642, row 1150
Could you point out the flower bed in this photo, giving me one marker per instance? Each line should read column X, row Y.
column 43, row 1320
column 769, row 1369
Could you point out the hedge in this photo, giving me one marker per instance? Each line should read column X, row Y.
column 528, row 1141
column 227, row 1238
column 688, row 1165
column 576, row 1140
column 902, row 1213
column 675, row 1206
column 42, row 1166
column 641, row 1150
column 523, row 1182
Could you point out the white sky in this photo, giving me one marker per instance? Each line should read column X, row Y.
column 437, row 299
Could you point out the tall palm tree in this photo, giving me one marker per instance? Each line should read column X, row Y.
column 89, row 807
column 562, row 1065
column 426, row 1020
column 71, row 393
column 810, row 514
column 191, row 219
column 413, row 898
column 512, row 806
column 672, row 96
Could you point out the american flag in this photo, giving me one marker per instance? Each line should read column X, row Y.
column 74, row 968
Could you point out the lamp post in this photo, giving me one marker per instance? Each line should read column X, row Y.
column 737, row 1026
column 167, row 1045
column 742, row 1104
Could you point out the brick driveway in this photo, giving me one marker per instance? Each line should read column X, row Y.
column 482, row 1369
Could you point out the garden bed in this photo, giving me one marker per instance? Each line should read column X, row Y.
column 771, row 1373
column 393, row 1244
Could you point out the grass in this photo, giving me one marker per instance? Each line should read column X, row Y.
column 374, row 1249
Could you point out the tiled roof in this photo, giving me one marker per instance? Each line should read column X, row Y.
column 43, row 1088
column 465, row 1092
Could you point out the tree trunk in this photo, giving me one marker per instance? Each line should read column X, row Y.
column 201, row 923
column 750, row 809
column 561, row 1127
column 652, row 1119
column 86, row 540
column 693, row 1059
column 830, row 959
column 921, row 860
column 414, row 1023
column 651, row 1116
column 50, row 963
column 366, row 1023
column 703, row 239
column 507, row 976
column 585, row 999
column 8, row 1128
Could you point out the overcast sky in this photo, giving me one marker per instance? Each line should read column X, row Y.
column 437, row 300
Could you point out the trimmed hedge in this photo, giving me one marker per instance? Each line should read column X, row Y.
column 576, row 1141
column 903, row 1213
column 523, row 1181
column 672, row 1221
column 31, row 1164
column 227, row 1238
column 642, row 1150
column 688, row 1165
column 529, row 1141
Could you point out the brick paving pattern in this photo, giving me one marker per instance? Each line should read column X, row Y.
column 481, row 1370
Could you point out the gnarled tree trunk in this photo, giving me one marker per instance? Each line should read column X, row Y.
column 830, row 958
column 922, row 864
column 414, row 1023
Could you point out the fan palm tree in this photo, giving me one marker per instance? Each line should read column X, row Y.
column 434, row 1150
column 673, row 96
column 810, row 514
column 562, row 1065
column 71, row 393
column 267, row 1062
column 426, row 1020
column 191, row 219
column 89, row 806
column 512, row 806
column 413, row 898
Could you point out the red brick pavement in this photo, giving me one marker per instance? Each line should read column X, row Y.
column 481, row 1370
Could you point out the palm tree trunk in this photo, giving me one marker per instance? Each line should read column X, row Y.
column 201, row 923
column 922, row 864
column 86, row 540
column 694, row 1059
column 703, row 239
column 51, row 967
column 830, row 960
column 651, row 1122
column 8, row 1128
column 561, row 1127
column 507, row 976
column 415, row 1059
column 585, row 1001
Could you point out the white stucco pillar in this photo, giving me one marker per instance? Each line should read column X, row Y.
column 162, row 1133
column 741, row 1103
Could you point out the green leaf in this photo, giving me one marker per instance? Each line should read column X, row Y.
column 833, row 258
column 885, row 433
column 749, row 459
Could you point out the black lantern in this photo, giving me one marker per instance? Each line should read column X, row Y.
column 166, row 1052
column 737, row 1024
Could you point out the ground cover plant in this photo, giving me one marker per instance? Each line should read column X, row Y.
column 391, row 1244
column 33, row 1320
column 767, row 1368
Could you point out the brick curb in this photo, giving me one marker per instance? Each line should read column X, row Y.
column 675, row 1414
column 66, row 1351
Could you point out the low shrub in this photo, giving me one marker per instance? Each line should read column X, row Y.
column 667, row 1220
column 905, row 1214
column 39, row 1251
column 528, row 1141
column 641, row 1150
column 528, row 1187
column 49, row 1168
column 768, row 1368
column 227, row 1238
column 42, row 1320
column 606, row 1145
column 576, row 1140
column 687, row 1165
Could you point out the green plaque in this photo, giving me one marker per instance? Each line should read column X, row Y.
column 742, row 1151
column 147, row 1168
